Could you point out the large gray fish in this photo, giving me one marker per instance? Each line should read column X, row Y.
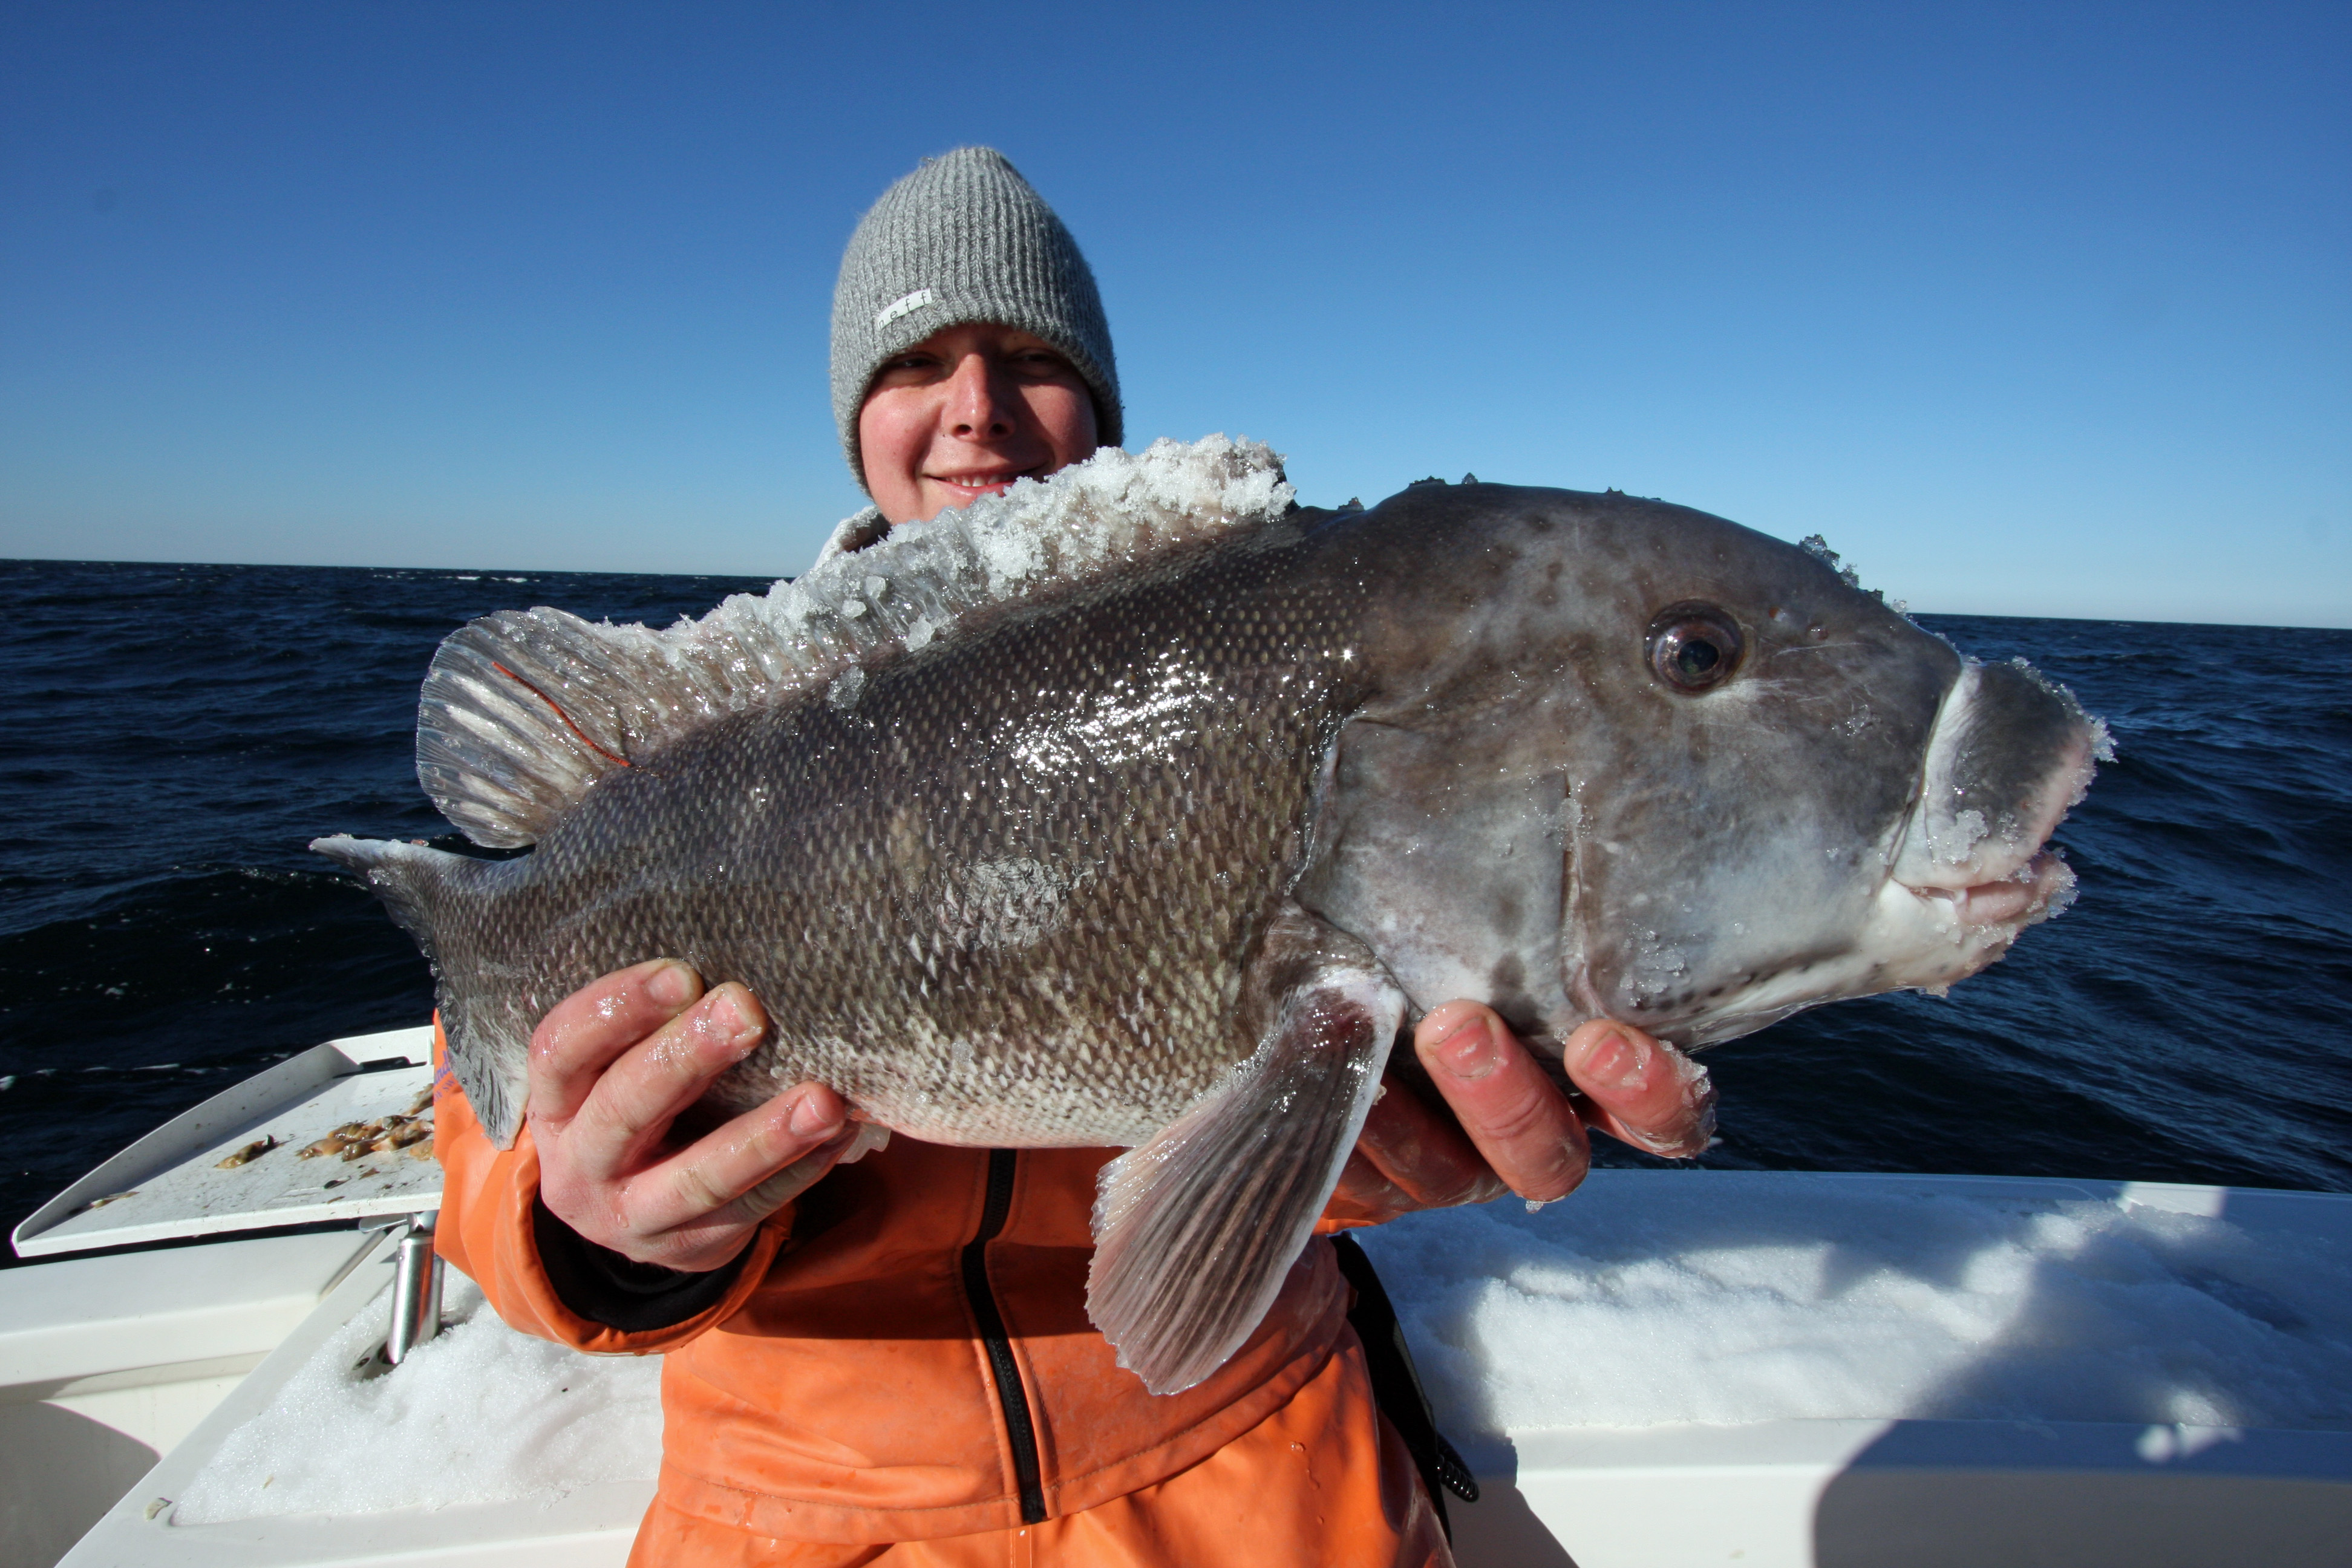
column 1140, row 807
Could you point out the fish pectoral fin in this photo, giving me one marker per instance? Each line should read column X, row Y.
column 1196, row 1230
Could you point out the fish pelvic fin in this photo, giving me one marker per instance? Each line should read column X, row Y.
column 426, row 891
column 524, row 710
column 1196, row 1230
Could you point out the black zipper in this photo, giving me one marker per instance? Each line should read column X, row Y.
column 1020, row 1429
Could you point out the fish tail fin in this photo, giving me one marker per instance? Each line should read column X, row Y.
column 430, row 893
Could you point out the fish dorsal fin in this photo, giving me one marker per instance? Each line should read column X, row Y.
column 524, row 709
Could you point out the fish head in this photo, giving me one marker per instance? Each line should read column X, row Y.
column 1785, row 792
column 1764, row 788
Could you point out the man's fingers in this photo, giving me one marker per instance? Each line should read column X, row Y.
column 1641, row 1090
column 725, row 1174
column 1421, row 1153
column 639, row 1095
column 1523, row 1125
column 589, row 1029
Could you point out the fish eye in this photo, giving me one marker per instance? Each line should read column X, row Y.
column 1693, row 647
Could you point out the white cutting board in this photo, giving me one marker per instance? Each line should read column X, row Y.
column 169, row 1184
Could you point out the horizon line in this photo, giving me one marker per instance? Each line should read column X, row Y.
column 1904, row 607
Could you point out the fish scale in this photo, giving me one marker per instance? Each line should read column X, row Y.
column 875, row 816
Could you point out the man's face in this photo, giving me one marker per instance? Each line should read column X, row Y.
column 966, row 412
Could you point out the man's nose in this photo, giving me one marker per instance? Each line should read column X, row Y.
column 977, row 405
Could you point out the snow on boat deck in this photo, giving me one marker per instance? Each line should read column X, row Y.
column 1726, row 1297
column 478, row 1414
column 1647, row 1300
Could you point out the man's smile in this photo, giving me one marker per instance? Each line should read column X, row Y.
column 983, row 480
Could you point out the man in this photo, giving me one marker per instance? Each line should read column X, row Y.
column 893, row 1363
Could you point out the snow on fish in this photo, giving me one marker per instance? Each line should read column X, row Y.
column 1141, row 807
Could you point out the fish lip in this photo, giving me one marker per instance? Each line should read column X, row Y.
column 2011, row 854
column 2017, row 900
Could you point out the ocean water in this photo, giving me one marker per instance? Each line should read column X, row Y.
column 177, row 734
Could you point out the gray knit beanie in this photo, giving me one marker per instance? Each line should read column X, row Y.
column 964, row 238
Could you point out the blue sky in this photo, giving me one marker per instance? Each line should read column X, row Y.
column 2031, row 309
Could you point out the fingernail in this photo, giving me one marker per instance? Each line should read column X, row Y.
column 809, row 1119
column 730, row 1018
column 1469, row 1051
column 671, row 986
column 1615, row 1062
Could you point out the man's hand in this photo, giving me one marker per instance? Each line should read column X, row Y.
column 613, row 1067
column 1511, row 1128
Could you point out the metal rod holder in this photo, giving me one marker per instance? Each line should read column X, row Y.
column 416, row 1291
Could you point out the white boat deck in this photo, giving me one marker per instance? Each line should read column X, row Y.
column 109, row 1363
column 589, row 1526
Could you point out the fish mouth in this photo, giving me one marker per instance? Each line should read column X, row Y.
column 2042, row 887
column 1971, row 868
column 2008, row 878
column 2010, row 756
